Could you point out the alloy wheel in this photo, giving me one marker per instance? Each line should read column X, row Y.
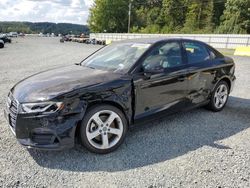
column 220, row 96
column 104, row 129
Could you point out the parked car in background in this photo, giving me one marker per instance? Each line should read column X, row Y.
column 13, row 34
column 5, row 39
column 95, row 41
column 101, row 42
column 121, row 84
column 91, row 41
column 41, row 35
column 1, row 44
column 21, row 34
column 62, row 40
column 67, row 38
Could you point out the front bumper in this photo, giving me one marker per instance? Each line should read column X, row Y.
column 46, row 132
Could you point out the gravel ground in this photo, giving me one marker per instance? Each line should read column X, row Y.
column 193, row 149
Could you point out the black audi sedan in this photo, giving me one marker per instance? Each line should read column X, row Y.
column 96, row 101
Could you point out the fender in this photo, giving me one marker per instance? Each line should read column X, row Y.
column 227, row 78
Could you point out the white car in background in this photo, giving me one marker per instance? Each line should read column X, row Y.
column 1, row 44
column 13, row 34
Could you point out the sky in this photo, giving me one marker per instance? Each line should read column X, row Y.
column 58, row 11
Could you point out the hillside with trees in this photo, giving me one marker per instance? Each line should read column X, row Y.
column 43, row 27
column 171, row 16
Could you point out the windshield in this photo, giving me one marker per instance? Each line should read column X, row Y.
column 116, row 57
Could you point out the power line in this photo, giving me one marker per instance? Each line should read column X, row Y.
column 129, row 15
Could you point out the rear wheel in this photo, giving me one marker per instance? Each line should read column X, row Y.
column 219, row 97
column 103, row 129
column 1, row 45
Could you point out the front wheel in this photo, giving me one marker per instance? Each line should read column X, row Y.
column 219, row 97
column 103, row 129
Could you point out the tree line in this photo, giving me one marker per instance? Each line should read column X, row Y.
column 171, row 16
column 43, row 27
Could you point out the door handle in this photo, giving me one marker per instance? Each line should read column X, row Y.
column 147, row 76
column 182, row 78
column 213, row 72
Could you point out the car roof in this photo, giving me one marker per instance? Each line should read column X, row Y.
column 155, row 40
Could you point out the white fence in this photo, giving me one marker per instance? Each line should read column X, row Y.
column 217, row 41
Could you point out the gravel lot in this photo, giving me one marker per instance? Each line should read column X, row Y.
column 194, row 149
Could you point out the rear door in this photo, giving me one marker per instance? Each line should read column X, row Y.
column 165, row 85
column 202, row 71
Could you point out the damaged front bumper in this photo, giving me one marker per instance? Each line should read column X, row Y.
column 47, row 132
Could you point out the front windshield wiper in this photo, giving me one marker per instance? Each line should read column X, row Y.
column 79, row 64
column 90, row 67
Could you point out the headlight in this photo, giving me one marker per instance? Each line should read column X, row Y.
column 45, row 107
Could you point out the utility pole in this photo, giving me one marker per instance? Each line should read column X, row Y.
column 129, row 15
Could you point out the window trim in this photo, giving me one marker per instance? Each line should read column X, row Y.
column 210, row 54
column 186, row 55
column 138, row 67
column 216, row 53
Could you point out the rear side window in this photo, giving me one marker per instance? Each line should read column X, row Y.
column 164, row 56
column 196, row 52
column 212, row 54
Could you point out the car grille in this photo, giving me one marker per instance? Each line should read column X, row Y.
column 44, row 138
column 13, row 109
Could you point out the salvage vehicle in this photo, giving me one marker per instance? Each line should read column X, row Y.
column 96, row 101
column 5, row 39
column 13, row 34
column 62, row 40
column 1, row 44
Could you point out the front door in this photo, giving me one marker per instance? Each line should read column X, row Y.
column 162, row 84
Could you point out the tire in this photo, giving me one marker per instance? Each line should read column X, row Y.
column 98, row 133
column 1, row 45
column 216, row 104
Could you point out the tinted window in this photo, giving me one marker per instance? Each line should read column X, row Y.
column 212, row 54
column 117, row 57
column 167, row 55
column 196, row 52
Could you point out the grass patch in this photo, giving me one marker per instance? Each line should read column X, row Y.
column 226, row 51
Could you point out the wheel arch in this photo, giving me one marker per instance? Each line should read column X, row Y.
column 96, row 103
column 111, row 103
column 227, row 80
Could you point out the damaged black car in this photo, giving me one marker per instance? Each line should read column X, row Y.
column 96, row 101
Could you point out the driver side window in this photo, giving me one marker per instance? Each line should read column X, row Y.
column 167, row 55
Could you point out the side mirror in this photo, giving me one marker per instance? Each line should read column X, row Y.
column 148, row 73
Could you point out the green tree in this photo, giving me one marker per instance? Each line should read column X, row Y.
column 199, row 17
column 146, row 16
column 172, row 15
column 44, row 27
column 236, row 17
column 109, row 16
column 219, row 7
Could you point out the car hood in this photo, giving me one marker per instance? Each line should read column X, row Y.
column 49, row 84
